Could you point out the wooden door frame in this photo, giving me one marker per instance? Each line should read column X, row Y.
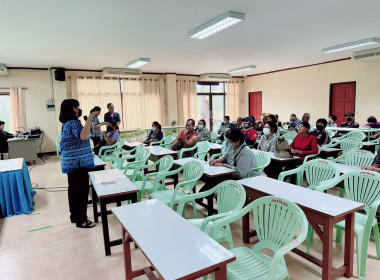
column 249, row 100
column 331, row 97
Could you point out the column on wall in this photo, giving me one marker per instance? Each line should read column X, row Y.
column 170, row 101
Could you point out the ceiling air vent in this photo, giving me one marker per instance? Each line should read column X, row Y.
column 215, row 77
column 121, row 72
column 367, row 54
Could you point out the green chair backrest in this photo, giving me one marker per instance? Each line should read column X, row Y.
column 230, row 196
column 362, row 186
column 192, row 170
column 356, row 134
column 349, row 144
column 263, row 159
column 202, row 150
column 319, row 170
column 277, row 222
column 165, row 163
column 330, row 133
column 168, row 140
column 289, row 135
column 143, row 155
column 358, row 158
column 285, row 127
column 214, row 136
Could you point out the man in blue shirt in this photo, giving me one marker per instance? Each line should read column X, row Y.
column 111, row 115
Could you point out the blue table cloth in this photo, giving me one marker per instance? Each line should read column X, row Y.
column 16, row 193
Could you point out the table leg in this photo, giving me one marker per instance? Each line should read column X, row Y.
column 221, row 273
column 175, row 177
column 106, row 235
column 327, row 268
column 245, row 222
column 210, row 205
column 349, row 244
column 127, row 255
column 94, row 204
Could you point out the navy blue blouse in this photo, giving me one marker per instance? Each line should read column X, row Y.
column 75, row 153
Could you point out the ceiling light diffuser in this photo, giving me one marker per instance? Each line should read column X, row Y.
column 216, row 25
column 351, row 45
column 138, row 62
column 241, row 69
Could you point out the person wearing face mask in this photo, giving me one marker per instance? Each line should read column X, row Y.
column 202, row 131
column 250, row 134
column 155, row 134
column 269, row 138
column 350, row 123
column 373, row 123
column 320, row 133
column 76, row 159
column 223, row 127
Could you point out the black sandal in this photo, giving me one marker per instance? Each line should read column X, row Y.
column 88, row 224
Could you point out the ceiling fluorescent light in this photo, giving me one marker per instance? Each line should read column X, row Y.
column 138, row 62
column 351, row 45
column 216, row 25
column 241, row 69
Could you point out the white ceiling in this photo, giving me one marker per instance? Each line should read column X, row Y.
column 92, row 34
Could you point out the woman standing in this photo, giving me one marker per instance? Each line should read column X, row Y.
column 96, row 132
column 76, row 159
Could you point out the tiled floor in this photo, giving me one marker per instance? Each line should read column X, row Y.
column 66, row 252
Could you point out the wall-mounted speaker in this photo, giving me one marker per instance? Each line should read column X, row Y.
column 60, row 74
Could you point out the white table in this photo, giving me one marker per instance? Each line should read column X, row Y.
column 273, row 157
column 175, row 248
column 159, row 152
column 99, row 164
column 110, row 186
column 215, row 149
column 348, row 129
column 344, row 168
column 329, row 152
column 132, row 145
column 322, row 210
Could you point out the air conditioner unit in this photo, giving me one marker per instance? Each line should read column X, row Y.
column 215, row 77
column 3, row 70
column 121, row 72
column 367, row 54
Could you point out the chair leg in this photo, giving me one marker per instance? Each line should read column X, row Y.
column 230, row 242
column 359, row 256
column 341, row 192
column 339, row 234
column 139, row 194
column 309, row 238
column 194, row 208
column 377, row 241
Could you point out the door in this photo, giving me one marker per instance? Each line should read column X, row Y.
column 342, row 100
column 255, row 104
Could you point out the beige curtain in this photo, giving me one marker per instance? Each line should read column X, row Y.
column 186, row 100
column 99, row 92
column 143, row 102
column 234, row 89
column 18, row 109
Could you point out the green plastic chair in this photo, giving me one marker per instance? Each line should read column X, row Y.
column 280, row 225
column 214, row 138
column 110, row 153
column 141, row 180
column 361, row 186
column 316, row 171
column 158, row 143
column 358, row 158
column 141, row 159
column 375, row 141
column 202, row 150
column 122, row 157
column 285, row 127
column 330, row 133
column 192, row 172
column 347, row 144
column 289, row 135
column 215, row 156
column 230, row 198
column 263, row 160
column 168, row 140
column 312, row 156
column 353, row 134
column 57, row 144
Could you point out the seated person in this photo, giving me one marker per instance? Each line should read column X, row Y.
column 250, row 135
column 232, row 125
column 109, row 138
column 187, row 139
column 294, row 122
column 269, row 137
column 320, row 133
column 375, row 164
column 202, row 131
column 350, row 123
column 373, row 123
column 4, row 136
column 240, row 122
column 259, row 126
column 155, row 134
column 332, row 121
column 306, row 118
column 225, row 124
column 304, row 144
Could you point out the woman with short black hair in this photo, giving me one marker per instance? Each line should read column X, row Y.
column 304, row 144
column 96, row 131
column 202, row 131
column 155, row 134
column 269, row 138
column 76, row 159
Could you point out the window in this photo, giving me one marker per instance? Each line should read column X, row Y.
column 211, row 103
column 4, row 110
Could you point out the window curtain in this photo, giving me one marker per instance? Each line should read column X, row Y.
column 186, row 100
column 99, row 92
column 18, row 109
column 234, row 89
column 143, row 102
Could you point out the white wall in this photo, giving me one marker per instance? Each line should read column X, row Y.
column 37, row 82
column 308, row 89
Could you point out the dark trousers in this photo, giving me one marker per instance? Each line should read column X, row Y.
column 78, row 195
column 276, row 167
column 96, row 140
